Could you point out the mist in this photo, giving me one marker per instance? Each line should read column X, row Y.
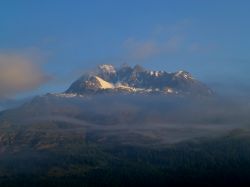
column 159, row 119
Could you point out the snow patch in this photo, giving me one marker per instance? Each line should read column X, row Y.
column 104, row 84
column 155, row 73
column 183, row 74
column 169, row 90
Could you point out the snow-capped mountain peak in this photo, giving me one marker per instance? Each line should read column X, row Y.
column 138, row 80
column 107, row 68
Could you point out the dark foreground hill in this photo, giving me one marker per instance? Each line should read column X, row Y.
column 125, row 141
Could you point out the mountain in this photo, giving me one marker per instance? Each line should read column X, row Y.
column 133, row 94
column 124, row 102
column 137, row 80
column 126, row 127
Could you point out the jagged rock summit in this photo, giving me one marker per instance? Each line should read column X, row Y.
column 137, row 80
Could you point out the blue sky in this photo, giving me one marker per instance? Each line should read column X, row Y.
column 59, row 40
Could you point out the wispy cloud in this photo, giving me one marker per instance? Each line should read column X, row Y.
column 19, row 73
column 171, row 29
column 141, row 49
column 149, row 48
column 165, row 40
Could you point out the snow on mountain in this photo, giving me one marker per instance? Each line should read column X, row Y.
column 107, row 68
column 184, row 74
column 124, row 87
column 104, row 84
column 138, row 80
column 155, row 73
